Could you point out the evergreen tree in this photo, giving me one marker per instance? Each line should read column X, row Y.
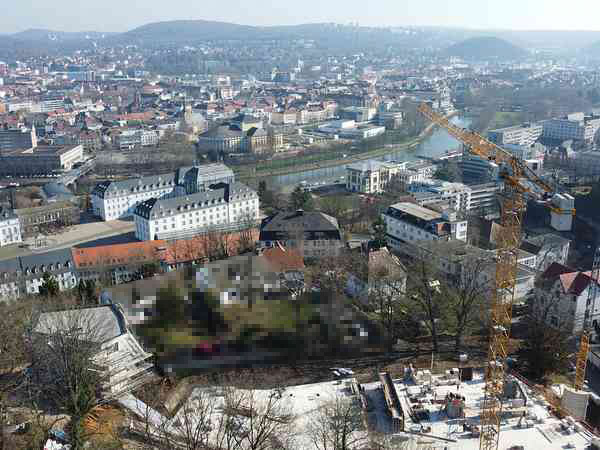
column 49, row 287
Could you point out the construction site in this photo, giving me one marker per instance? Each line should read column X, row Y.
column 419, row 410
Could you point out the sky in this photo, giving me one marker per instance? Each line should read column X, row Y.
column 123, row 15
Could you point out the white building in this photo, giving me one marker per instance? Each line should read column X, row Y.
column 458, row 196
column 113, row 200
column 10, row 229
column 371, row 177
column 576, row 126
column 525, row 135
column 226, row 208
column 57, row 263
column 407, row 223
column 122, row 362
column 349, row 129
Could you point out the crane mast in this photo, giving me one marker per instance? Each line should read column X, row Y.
column 512, row 208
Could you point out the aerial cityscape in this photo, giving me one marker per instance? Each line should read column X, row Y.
column 360, row 228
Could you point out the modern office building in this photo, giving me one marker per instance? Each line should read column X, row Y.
column 20, row 139
column 525, row 135
column 40, row 161
column 407, row 223
column 576, row 127
column 226, row 207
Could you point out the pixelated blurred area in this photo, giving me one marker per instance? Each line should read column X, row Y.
column 248, row 308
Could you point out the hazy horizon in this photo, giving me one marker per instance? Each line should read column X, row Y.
column 119, row 16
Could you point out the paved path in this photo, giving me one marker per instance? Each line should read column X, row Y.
column 73, row 236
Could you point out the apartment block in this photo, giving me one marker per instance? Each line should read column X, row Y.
column 407, row 223
column 576, row 126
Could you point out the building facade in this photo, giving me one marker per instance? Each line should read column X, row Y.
column 371, row 177
column 120, row 360
column 33, row 220
column 407, row 223
column 10, row 228
column 314, row 234
column 576, row 127
column 40, row 161
column 113, row 200
column 229, row 207
column 524, row 135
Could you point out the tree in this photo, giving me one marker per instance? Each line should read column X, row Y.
column 193, row 423
column 49, row 287
column 268, row 424
column 386, row 303
column 262, row 189
column 466, row 296
column 425, row 297
column 337, row 425
column 86, row 292
column 63, row 345
column 380, row 232
column 14, row 317
column 301, row 199
column 545, row 346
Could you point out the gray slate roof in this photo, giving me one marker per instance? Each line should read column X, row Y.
column 127, row 187
column 166, row 207
column 285, row 225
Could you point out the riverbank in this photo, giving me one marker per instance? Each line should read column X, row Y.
column 243, row 173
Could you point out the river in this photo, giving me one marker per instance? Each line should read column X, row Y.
column 436, row 144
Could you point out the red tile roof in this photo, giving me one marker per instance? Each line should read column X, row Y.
column 282, row 259
column 110, row 255
column 572, row 281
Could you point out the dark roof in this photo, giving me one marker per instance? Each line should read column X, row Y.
column 142, row 184
column 223, row 132
column 168, row 206
column 256, row 132
column 285, row 225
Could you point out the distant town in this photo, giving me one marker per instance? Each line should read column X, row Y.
column 358, row 238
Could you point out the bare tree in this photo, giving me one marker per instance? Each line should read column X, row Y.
column 548, row 325
column 267, row 422
column 466, row 295
column 425, row 297
column 385, row 302
column 64, row 346
column 193, row 422
column 14, row 318
column 337, row 425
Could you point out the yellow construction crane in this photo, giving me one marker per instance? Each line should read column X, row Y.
column 586, row 332
column 519, row 181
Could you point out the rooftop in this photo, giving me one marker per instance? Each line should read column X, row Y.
column 97, row 324
column 416, row 211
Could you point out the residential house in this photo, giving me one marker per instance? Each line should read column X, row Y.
column 385, row 273
column 314, row 234
column 566, row 291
